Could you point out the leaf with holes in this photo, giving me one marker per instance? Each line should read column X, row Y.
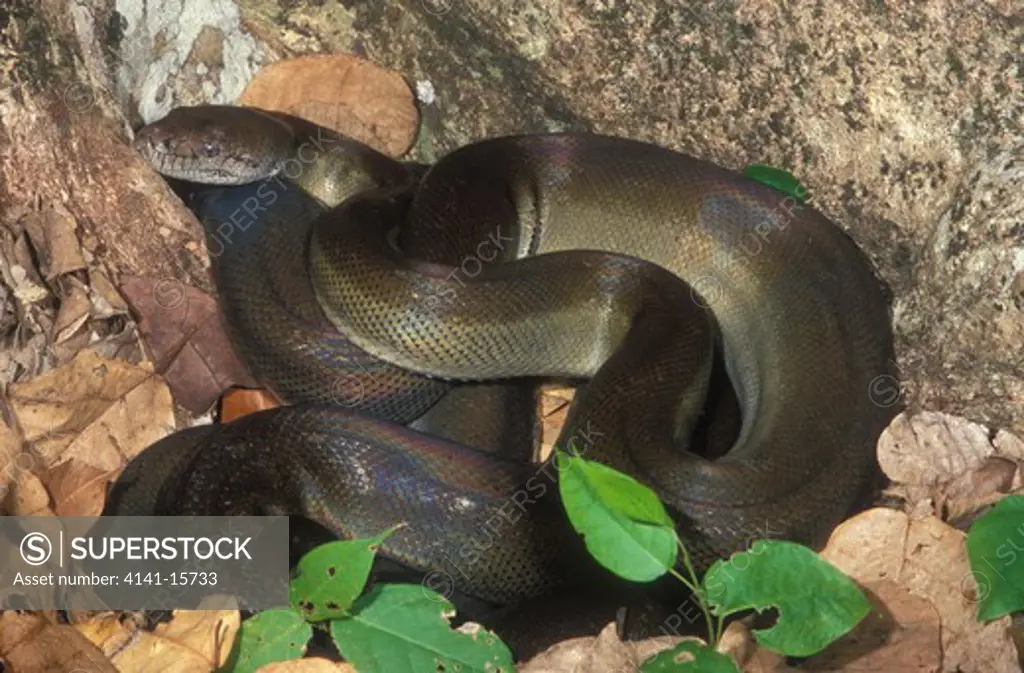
column 403, row 628
column 689, row 657
column 274, row 635
column 817, row 603
column 332, row 576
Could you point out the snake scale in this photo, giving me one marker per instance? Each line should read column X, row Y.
column 363, row 290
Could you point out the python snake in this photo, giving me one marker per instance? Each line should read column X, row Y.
column 363, row 289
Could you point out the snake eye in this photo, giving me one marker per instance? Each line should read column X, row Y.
column 208, row 149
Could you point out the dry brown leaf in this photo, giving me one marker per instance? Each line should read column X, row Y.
column 311, row 665
column 554, row 408
column 23, row 278
column 30, row 643
column 28, row 496
column 557, row 393
column 931, row 447
column 66, row 351
column 182, row 329
column 107, row 301
column 341, row 92
column 901, row 633
column 948, row 466
column 928, row 559
column 194, row 640
column 75, row 309
column 130, row 424
column 149, row 652
column 101, row 412
column 11, row 462
column 240, row 402
column 553, row 402
column 603, row 653
column 108, row 632
column 211, row 633
column 54, row 234
column 1008, row 445
column 78, row 489
column 976, row 489
column 123, row 345
column 51, row 409
column 25, row 358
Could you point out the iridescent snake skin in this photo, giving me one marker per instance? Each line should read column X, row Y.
column 361, row 289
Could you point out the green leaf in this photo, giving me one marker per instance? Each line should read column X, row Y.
column 623, row 524
column 689, row 657
column 273, row 635
column 400, row 628
column 992, row 545
column 817, row 603
column 779, row 179
column 331, row 577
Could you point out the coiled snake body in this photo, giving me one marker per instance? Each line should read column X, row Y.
column 358, row 287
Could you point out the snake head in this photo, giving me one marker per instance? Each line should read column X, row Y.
column 216, row 144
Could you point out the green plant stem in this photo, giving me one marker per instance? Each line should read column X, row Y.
column 694, row 586
column 714, row 634
column 687, row 583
